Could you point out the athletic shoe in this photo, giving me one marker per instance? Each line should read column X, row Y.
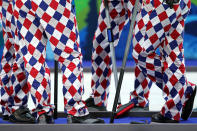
column 5, row 117
column 187, row 109
column 90, row 104
column 158, row 118
column 83, row 119
column 22, row 115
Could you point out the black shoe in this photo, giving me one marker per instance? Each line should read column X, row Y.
column 83, row 119
column 5, row 117
column 161, row 119
column 22, row 115
column 45, row 119
column 92, row 107
column 187, row 109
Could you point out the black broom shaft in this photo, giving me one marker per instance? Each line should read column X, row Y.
column 117, row 95
column 55, row 89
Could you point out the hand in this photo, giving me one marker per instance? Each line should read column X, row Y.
column 170, row 3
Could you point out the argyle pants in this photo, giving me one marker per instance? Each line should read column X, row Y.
column 55, row 20
column 160, row 26
column 13, row 83
column 120, row 14
column 6, row 63
column 14, row 91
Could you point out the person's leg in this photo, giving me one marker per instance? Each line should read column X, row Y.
column 101, row 56
column 141, row 91
column 7, row 59
column 56, row 20
column 62, row 32
column 15, row 102
column 166, row 24
column 34, row 52
column 139, row 96
column 174, row 74
column 19, row 97
column 142, row 87
column 174, row 70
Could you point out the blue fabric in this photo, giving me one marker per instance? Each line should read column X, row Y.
column 127, row 120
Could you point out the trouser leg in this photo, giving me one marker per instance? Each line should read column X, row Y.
column 61, row 30
column 166, row 30
column 141, row 91
column 119, row 11
column 7, row 58
column 34, row 52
